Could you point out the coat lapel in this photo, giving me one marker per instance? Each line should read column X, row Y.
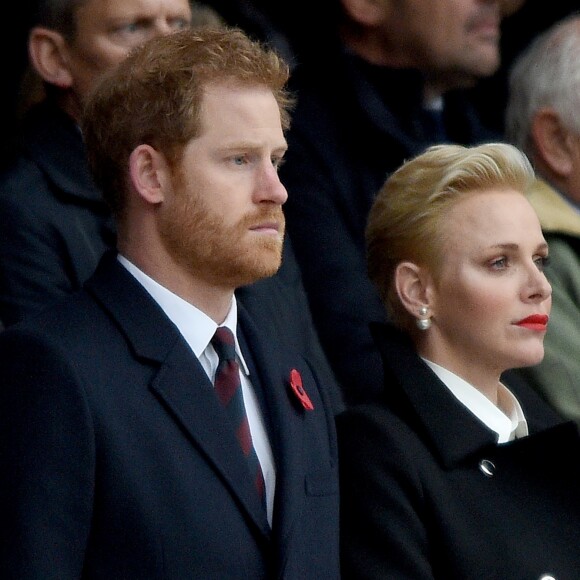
column 441, row 417
column 269, row 373
column 182, row 385
column 180, row 382
column 454, row 432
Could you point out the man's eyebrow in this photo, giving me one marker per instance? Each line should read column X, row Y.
column 248, row 144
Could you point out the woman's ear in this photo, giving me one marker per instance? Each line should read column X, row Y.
column 48, row 55
column 149, row 173
column 412, row 285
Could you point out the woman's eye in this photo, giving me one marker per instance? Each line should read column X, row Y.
column 541, row 262
column 499, row 263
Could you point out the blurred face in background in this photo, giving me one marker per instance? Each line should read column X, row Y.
column 104, row 33
column 455, row 40
column 106, row 30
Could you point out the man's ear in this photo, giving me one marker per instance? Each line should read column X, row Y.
column 551, row 140
column 412, row 285
column 367, row 12
column 149, row 173
column 47, row 50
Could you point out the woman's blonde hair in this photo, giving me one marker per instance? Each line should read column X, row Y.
column 407, row 220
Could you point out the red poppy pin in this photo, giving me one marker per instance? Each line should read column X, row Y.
column 296, row 384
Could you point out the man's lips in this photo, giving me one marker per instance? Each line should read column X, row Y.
column 266, row 228
column 534, row 322
column 485, row 26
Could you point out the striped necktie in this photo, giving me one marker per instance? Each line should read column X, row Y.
column 229, row 391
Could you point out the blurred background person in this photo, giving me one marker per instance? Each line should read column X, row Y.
column 518, row 29
column 389, row 81
column 449, row 472
column 56, row 224
column 270, row 22
column 543, row 120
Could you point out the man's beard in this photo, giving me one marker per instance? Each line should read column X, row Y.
column 200, row 242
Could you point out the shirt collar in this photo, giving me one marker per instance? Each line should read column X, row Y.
column 506, row 419
column 196, row 327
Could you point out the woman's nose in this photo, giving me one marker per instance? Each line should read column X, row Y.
column 539, row 289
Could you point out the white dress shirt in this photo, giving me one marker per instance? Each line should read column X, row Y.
column 198, row 329
column 506, row 419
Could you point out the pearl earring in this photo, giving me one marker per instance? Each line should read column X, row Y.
column 423, row 323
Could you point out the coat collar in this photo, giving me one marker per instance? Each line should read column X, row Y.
column 555, row 213
column 400, row 113
column 454, row 433
column 54, row 142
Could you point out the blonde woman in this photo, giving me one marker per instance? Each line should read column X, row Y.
column 451, row 473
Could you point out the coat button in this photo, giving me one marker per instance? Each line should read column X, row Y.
column 487, row 467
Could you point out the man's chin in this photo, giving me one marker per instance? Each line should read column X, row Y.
column 484, row 63
column 263, row 264
column 268, row 268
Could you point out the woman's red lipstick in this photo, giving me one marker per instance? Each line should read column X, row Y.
column 534, row 322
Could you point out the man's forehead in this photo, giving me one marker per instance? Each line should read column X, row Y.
column 131, row 8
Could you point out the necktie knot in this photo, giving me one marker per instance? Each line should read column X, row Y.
column 227, row 377
column 224, row 344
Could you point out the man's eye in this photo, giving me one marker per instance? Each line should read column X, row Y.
column 179, row 23
column 277, row 162
column 131, row 27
